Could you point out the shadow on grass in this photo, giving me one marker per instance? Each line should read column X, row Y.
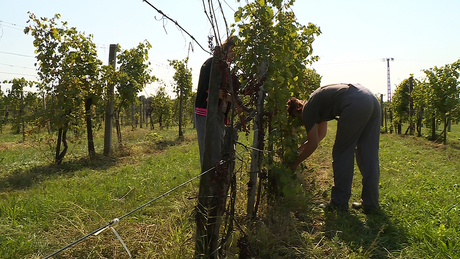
column 375, row 236
column 24, row 178
column 455, row 145
column 21, row 178
column 158, row 146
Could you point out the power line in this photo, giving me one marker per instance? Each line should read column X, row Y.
column 16, row 54
column 11, row 27
column 345, row 62
column 8, row 73
column 9, row 65
column 12, row 24
column 159, row 64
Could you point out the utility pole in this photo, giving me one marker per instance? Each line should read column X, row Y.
column 388, row 78
column 389, row 91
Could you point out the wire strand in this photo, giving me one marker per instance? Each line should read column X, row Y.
column 177, row 24
column 115, row 221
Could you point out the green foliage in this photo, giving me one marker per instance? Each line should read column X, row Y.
column 183, row 87
column 401, row 104
column 162, row 107
column 182, row 78
column 442, row 89
column 439, row 94
column 134, row 74
column 312, row 82
column 15, row 101
column 69, row 70
column 273, row 47
column 418, row 94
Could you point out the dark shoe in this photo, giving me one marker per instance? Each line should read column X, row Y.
column 366, row 209
column 330, row 206
column 327, row 207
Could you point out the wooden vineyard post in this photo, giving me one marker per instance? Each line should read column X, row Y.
column 213, row 185
column 109, row 107
column 257, row 144
column 141, row 112
column 133, row 116
column 181, row 134
column 382, row 110
column 411, row 106
column 22, row 114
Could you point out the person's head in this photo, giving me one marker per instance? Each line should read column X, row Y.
column 227, row 47
column 295, row 107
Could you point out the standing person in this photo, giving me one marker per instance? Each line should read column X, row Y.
column 201, row 101
column 358, row 131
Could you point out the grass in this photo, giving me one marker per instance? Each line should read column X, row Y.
column 45, row 207
column 419, row 199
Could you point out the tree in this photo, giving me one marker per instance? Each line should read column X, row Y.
column 68, row 69
column 442, row 94
column 401, row 103
column 133, row 76
column 85, row 71
column 15, row 103
column 273, row 50
column 161, row 107
column 418, row 95
column 183, row 79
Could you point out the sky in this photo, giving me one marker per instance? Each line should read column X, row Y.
column 357, row 35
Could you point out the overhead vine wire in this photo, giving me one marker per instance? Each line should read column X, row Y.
column 190, row 47
column 206, row 13
column 223, row 17
column 211, row 20
column 164, row 23
column 177, row 24
column 214, row 21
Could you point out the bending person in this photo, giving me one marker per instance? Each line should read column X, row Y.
column 358, row 132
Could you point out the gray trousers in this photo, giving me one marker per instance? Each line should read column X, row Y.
column 358, row 132
column 218, row 138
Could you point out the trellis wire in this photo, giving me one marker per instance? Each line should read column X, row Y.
column 253, row 148
column 116, row 220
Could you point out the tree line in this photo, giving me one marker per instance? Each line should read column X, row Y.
column 72, row 91
column 432, row 102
